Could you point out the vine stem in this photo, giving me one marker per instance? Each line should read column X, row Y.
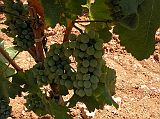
column 68, row 30
column 32, row 52
column 11, row 61
column 94, row 21
column 38, row 29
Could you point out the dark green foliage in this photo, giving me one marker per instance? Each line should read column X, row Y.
column 57, row 11
column 5, row 109
column 140, row 42
column 34, row 103
column 125, row 12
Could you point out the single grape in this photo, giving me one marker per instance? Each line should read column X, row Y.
column 59, row 72
column 98, row 54
column 68, row 52
column 81, row 54
column 92, row 34
column 94, row 79
column 72, row 37
column 87, row 84
column 62, row 82
column 72, row 44
column 83, row 47
column 83, row 38
column 80, row 83
column 90, row 50
column 79, row 76
column 81, row 92
column 84, row 70
column 68, row 84
column 86, row 76
column 57, row 51
column 64, row 76
column 53, row 69
column 75, row 84
column 85, row 63
column 66, row 45
column 94, row 86
column 98, row 45
column 93, row 63
column 91, row 69
column 88, row 91
column 76, row 52
column 51, row 62
column 55, row 57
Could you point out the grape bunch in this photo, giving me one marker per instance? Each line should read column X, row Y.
column 34, row 103
column 87, row 50
column 57, row 67
column 19, row 26
column 39, row 74
column 5, row 109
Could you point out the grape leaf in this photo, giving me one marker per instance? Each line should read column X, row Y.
column 110, row 80
column 105, row 34
column 90, row 102
column 130, row 21
column 4, row 86
column 103, row 96
column 74, row 8
column 140, row 42
column 11, row 51
column 99, row 10
column 53, row 11
column 5, row 70
column 57, row 11
column 60, row 112
column 19, row 78
column 102, row 29
column 129, row 6
column 14, row 90
column 62, row 90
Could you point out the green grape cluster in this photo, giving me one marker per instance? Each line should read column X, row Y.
column 5, row 109
column 87, row 50
column 57, row 66
column 19, row 26
column 39, row 74
column 34, row 102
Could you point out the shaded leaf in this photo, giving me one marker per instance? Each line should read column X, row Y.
column 14, row 90
column 53, row 11
column 74, row 8
column 19, row 78
column 129, row 6
column 5, row 70
column 103, row 96
column 140, row 42
column 4, row 86
column 60, row 112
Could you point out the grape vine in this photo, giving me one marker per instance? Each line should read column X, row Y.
column 92, row 82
